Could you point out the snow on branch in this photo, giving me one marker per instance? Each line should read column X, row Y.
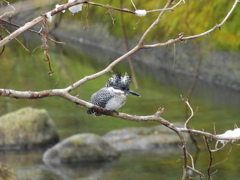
column 76, row 8
column 229, row 136
column 140, row 13
column 59, row 6
column 49, row 16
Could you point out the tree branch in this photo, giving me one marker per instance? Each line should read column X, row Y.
column 37, row 20
column 140, row 43
column 181, row 38
column 31, row 30
column 21, row 30
column 65, row 92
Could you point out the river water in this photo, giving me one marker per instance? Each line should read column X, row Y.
column 26, row 71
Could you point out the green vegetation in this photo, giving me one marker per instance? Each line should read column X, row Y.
column 194, row 17
column 191, row 18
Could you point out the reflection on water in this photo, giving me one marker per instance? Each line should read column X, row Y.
column 28, row 165
column 25, row 72
column 161, row 165
column 83, row 170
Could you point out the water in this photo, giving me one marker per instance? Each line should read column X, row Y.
column 24, row 71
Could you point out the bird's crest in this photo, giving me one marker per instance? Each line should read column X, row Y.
column 119, row 82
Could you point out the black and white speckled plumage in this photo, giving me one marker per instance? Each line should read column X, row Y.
column 119, row 82
column 113, row 96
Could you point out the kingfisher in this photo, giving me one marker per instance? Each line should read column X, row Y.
column 114, row 95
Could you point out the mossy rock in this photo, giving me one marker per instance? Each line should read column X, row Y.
column 6, row 173
column 144, row 139
column 27, row 128
column 80, row 148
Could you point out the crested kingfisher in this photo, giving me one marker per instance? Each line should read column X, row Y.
column 114, row 95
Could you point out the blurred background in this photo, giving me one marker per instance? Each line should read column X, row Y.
column 205, row 70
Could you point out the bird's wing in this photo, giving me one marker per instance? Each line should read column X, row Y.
column 101, row 97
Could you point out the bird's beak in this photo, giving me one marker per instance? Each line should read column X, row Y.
column 133, row 93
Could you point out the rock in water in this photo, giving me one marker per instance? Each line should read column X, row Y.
column 27, row 128
column 144, row 139
column 80, row 148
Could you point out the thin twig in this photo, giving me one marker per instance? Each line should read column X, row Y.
column 157, row 10
column 166, row 9
column 21, row 30
column 129, row 11
column 214, row 128
column 110, row 7
column 31, row 30
column 219, row 162
column 218, row 149
column 120, row 59
column 37, row 20
column 6, row 13
column 3, row 48
column 133, row 5
column 182, row 38
column 140, row 43
column 196, row 171
column 45, row 45
column 230, row 150
column 191, row 160
column 199, row 55
column 127, row 49
column 65, row 93
column 192, row 113
column 210, row 158
column 16, row 39
column 179, row 3
column 195, row 78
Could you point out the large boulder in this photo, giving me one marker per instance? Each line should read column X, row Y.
column 142, row 139
column 80, row 148
column 27, row 128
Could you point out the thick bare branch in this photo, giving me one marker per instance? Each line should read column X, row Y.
column 21, row 30
column 36, row 21
column 65, row 92
column 104, row 71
